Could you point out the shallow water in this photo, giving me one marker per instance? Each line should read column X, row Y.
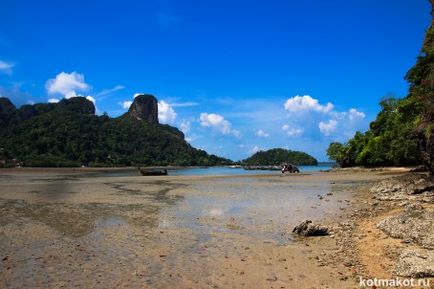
column 211, row 171
column 258, row 208
column 227, row 171
column 144, row 231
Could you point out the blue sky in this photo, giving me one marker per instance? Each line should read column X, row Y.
column 235, row 76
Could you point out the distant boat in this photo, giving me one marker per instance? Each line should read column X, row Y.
column 152, row 172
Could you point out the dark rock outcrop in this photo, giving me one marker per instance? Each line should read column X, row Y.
column 144, row 107
column 307, row 229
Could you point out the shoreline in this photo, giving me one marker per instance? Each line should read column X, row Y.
column 200, row 231
column 90, row 169
column 381, row 253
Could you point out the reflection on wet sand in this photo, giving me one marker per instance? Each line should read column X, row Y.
column 134, row 232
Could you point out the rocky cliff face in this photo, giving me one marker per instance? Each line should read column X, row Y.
column 145, row 107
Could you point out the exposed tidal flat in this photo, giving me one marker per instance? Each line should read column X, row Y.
column 68, row 228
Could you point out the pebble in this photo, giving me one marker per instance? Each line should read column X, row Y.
column 272, row 279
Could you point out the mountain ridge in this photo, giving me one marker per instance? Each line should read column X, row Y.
column 68, row 133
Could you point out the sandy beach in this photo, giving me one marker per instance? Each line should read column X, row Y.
column 69, row 229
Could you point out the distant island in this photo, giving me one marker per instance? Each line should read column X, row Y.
column 69, row 134
column 278, row 156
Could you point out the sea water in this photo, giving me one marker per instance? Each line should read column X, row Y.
column 210, row 171
column 228, row 171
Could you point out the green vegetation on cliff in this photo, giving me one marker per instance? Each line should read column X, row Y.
column 278, row 156
column 403, row 132
column 390, row 141
column 70, row 134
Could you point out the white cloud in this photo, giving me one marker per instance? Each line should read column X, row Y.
column 66, row 84
column 354, row 114
column 184, row 104
column 216, row 122
column 351, row 115
column 110, row 90
column 261, row 133
column 53, row 100
column 321, row 115
column 6, row 67
column 126, row 104
column 185, row 127
column 306, row 103
column 327, row 128
column 91, row 98
column 294, row 132
column 236, row 133
column 291, row 131
column 166, row 114
column 255, row 149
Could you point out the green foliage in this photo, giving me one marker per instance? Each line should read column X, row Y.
column 390, row 141
column 278, row 156
column 402, row 133
column 70, row 135
column 421, row 79
column 49, row 160
column 335, row 152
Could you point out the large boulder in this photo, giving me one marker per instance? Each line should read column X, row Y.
column 144, row 107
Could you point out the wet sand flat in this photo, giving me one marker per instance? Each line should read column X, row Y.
column 69, row 229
